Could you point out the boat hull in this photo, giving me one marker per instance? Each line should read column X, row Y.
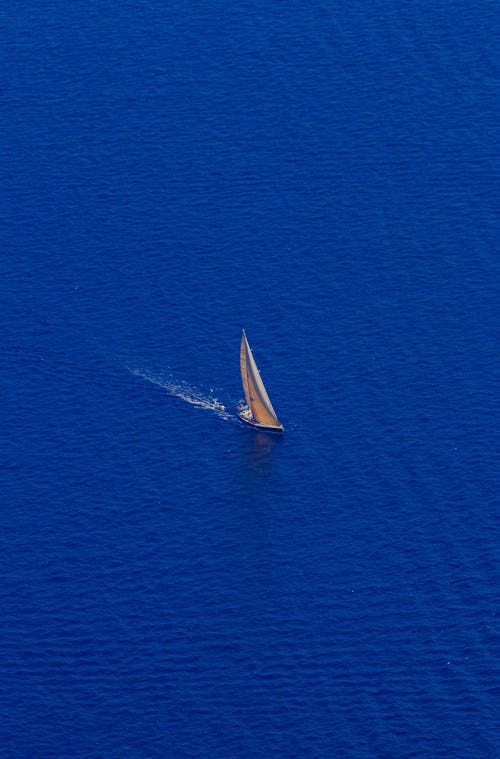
column 258, row 426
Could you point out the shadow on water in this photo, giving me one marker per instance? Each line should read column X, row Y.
column 258, row 457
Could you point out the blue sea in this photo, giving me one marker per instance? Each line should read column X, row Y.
column 325, row 176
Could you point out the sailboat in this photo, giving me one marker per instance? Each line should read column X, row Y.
column 258, row 410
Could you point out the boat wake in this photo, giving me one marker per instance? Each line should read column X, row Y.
column 185, row 392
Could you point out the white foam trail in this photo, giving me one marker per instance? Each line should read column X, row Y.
column 185, row 392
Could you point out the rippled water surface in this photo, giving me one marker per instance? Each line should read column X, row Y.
column 325, row 176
